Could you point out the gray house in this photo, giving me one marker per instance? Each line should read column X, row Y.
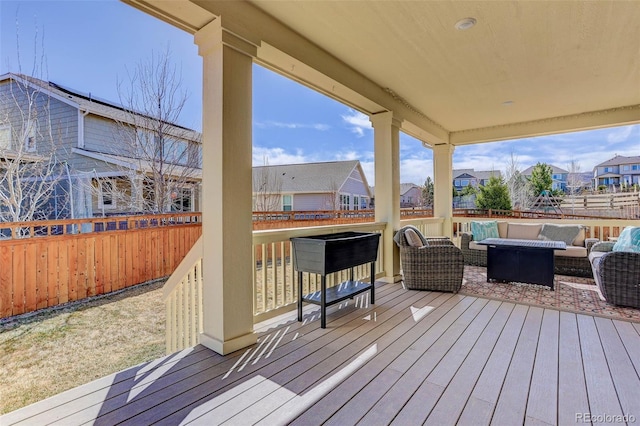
column 336, row 185
column 618, row 170
column 466, row 177
column 108, row 156
column 410, row 195
column 559, row 176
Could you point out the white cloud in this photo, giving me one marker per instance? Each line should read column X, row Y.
column 369, row 172
column 275, row 156
column 347, row 156
column 281, row 125
column 357, row 121
column 619, row 134
column 415, row 170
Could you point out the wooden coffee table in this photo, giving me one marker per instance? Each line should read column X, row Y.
column 525, row 261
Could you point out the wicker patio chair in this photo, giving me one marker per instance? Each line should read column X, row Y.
column 436, row 265
column 617, row 274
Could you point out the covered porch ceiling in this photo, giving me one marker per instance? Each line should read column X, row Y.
column 525, row 68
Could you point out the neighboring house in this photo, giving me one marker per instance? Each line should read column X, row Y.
column 336, row 185
column 96, row 144
column 559, row 177
column 410, row 195
column 617, row 170
column 466, row 177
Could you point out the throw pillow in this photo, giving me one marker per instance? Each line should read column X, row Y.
column 484, row 230
column 412, row 238
column 629, row 240
column 552, row 232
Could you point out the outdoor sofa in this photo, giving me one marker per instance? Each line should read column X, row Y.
column 572, row 261
column 616, row 268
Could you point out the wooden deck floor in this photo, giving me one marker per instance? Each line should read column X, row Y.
column 413, row 358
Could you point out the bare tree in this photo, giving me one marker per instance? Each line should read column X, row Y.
column 332, row 198
column 267, row 188
column 517, row 184
column 163, row 159
column 574, row 182
column 31, row 177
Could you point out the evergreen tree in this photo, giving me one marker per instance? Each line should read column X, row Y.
column 494, row 195
column 541, row 179
column 427, row 192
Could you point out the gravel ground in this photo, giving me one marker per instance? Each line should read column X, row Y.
column 54, row 350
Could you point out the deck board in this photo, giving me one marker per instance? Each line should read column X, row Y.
column 413, row 357
column 542, row 404
column 600, row 387
column 572, row 390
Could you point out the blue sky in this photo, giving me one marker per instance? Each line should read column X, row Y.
column 89, row 45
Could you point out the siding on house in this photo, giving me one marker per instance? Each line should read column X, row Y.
column 311, row 202
column 314, row 185
column 83, row 128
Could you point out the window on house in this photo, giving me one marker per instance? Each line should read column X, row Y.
column 465, row 182
column 175, row 151
column 107, row 195
column 456, row 182
column 30, row 137
column 5, row 137
column 287, row 203
column 181, row 200
column 625, row 167
column 356, row 202
column 635, row 167
column 344, row 202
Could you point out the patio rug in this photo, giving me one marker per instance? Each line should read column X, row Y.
column 573, row 294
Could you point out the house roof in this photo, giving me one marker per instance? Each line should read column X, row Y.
column 554, row 169
column 480, row 174
column 91, row 104
column 525, row 68
column 618, row 160
column 319, row 177
column 138, row 165
column 609, row 175
column 406, row 187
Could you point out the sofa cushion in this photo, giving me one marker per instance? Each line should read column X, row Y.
column 474, row 245
column 484, row 230
column 524, row 231
column 580, row 239
column 503, row 228
column 571, row 251
column 595, row 257
column 629, row 240
column 412, row 238
column 553, row 232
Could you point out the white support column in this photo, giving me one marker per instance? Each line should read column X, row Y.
column 226, row 176
column 442, row 185
column 387, row 187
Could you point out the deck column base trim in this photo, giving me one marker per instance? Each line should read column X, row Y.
column 390, row 279
column 226, row 347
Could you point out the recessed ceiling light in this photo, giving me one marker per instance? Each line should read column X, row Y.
column 465, row 24
column 508, row 103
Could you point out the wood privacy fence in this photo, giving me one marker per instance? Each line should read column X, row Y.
column 47, row 263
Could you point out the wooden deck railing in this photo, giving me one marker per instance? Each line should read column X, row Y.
column 274, row 281
column 56, row 262
column 182, row 294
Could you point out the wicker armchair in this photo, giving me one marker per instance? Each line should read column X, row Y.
column 617, row 274
column 438, row 265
